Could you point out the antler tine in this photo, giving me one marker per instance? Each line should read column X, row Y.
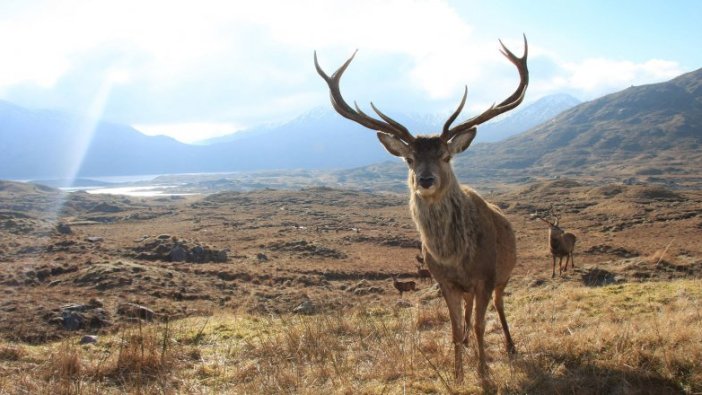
column 389, row 126
column 511, row 102
column 545, row 220
column 553, row 214
column 453, row 116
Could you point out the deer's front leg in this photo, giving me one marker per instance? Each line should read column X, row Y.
column 560, row 266
column 553, row 275
column 482, row 299
column 454, row 301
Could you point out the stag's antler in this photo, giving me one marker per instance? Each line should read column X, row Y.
column 390, row 126
column 511, row 102
column 551, row 213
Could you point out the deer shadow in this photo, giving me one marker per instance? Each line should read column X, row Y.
column 583, row 377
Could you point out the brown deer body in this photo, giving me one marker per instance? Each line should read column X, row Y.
column 561, row 244
column 403, row 286
column 468, row 244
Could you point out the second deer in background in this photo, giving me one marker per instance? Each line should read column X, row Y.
column 561, row 244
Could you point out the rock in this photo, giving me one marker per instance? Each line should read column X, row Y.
column 598, row 277
column 403, row 303
column 177, row 254
column 63, row 229
column 134, row 310
column 198, row 254
column 261, row 257
column 95, row 302
column 537, row 283
column 226, row 276
column 170, row 248
column 306, row 307
column 72, row 320
column 368, row 290
column 88, row 339
column 94, row 239
column 76, row 307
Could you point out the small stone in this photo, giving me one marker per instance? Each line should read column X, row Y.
column 89, row 339
column 136, row 311
column 403, row 304
column 306, row 307
column 63, row 228
column 178, row 254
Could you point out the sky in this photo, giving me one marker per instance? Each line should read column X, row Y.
column 194, row 70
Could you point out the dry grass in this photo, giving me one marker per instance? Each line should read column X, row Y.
column 630, row 338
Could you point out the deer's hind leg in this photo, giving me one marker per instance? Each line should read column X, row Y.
column 468, row 309
column 500, row 307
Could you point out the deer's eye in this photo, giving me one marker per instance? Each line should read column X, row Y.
column 409, row 161
column 446, row 158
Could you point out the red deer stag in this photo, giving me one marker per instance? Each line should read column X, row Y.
column 561, row 244
column 469, row 245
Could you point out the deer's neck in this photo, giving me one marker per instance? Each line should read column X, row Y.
column 446, row 222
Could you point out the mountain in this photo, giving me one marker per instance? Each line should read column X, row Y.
column 38, row 144
column 325, row 118
column 321, row 139
column 649, row 133
column 644, row 130
column 525, row 118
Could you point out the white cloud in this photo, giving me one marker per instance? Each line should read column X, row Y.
column 594, row 77
column 597, row 75
column 181, row 66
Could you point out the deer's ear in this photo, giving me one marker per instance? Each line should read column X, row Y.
column 394, row 145
column 461, row 141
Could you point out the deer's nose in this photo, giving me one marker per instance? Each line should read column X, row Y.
column 426, row 182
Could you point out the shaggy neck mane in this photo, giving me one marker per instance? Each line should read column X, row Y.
column 446, row 223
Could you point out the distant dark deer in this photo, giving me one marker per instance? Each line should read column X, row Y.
column 404, row 286
column 561, row 244
column 469, row 245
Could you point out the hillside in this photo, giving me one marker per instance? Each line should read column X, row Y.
column 294, row 294
column 525, row 118
column 643, row 131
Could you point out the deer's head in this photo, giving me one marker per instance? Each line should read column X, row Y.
column 554, row 230
column 428, row 157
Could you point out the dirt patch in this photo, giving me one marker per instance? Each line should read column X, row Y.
column 608, row 249
column 662, row 270
column 389, row 240
column 304, row 248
